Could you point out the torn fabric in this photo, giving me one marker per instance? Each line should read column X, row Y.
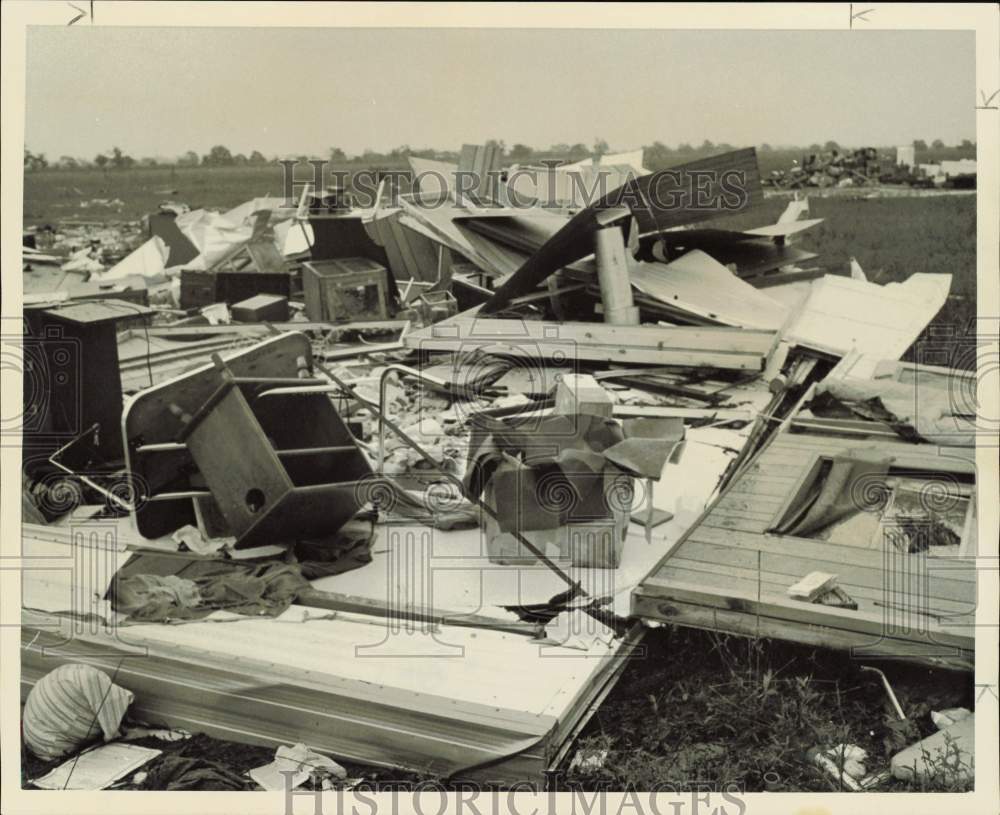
column 837, row 487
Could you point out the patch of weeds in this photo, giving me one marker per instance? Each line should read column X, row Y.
column 704, row 709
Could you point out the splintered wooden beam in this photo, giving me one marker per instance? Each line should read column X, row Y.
column 685, row 346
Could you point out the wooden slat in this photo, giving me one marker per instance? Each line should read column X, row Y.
column 739, row 523
column 714, row 574
column 871, row 601
column 787, row 570
column 727, row 348
column 768, row 489
column 854, row 564
column 738, row 622
column 754, row 504
column 922, row 456
column 798, row 612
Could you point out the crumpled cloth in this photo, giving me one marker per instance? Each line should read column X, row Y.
column 254, row 590
column 174, row 772
column 144, row 593
column 70, row 707
column 192, row 538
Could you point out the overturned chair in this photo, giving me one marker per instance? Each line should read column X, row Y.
column 285, row 468
column 276, row 461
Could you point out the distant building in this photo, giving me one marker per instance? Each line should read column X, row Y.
column 952, row 169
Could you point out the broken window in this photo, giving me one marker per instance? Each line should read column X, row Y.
column 932, row 514
column 859, row 500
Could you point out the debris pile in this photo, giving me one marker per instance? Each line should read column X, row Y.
column 596, row 415
column 859, row 167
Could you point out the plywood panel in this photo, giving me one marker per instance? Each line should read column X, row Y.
column 726, row 559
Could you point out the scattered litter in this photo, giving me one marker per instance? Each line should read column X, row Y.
column 948, row 717
column 194, row 541
column 98, row 768
column 303, row 381
column 588, row 761
column 845, row 763
column 293, row 766
column 812, row 586
column 216, row 314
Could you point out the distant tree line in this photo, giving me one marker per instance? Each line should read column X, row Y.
column 655, row 156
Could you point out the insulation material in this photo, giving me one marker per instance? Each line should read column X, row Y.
column 840, row 314
column 935, row 407
column 149, row 261
column 213, row 234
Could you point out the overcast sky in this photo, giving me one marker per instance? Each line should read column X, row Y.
column 160, row 92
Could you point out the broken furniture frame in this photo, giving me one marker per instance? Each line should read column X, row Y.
column 328, row 284
column 166, row 478
column 267, row 490
column 593, row 605
column 403, row 370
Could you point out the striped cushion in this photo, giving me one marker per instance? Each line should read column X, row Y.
column 70, row 706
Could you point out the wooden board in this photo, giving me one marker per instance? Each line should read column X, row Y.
column 727, row 573
column 727, row 348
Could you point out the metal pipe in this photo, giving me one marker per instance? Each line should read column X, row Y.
column 53, row 460
column 613, row 277
column 888, row 690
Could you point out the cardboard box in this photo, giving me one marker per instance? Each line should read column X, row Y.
column 261, row 308
column 537, row 504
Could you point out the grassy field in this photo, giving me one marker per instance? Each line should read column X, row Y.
column 891, row 237
column 50, row 196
